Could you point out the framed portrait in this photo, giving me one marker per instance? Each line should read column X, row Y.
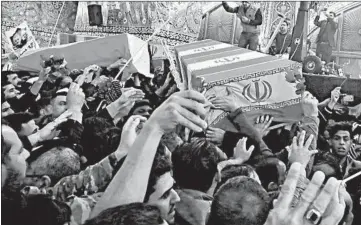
column 20, row 39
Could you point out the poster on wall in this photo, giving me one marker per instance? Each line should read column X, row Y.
column 20, row 40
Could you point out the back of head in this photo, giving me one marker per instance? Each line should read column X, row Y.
column 15, row 120
column 270, row 170
column 240, row 201
column 195, row 164
column 99, row 139
column 131, row 214
column 57, row 163
column 42, row 210
column 4, row 77
column 234, row 171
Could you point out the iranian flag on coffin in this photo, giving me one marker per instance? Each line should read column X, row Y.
column 260, row 83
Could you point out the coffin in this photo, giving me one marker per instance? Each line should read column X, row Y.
column 259, row 83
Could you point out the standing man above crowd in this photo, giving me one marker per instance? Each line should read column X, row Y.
column 251, row 18
column 326, row 37
column 283, row 40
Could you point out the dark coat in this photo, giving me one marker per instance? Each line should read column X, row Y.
column 329, row 26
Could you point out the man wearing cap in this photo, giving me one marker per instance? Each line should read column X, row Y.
column 326, row 37
column 251, row 20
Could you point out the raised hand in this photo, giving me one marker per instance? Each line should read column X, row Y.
column 262, row 124
column 314, row 204
column 89, row 73
column 131, row 94
column 117, row 64
column 215, row 135
column 49, row 131
column 240, row 155
column 44, row 73
column 335, row 96
column 241, row 152
column 122, row 106
column 226, row 103
column 309, row 105
column 298, row 151
column 130, row 130
column 75, row 98
column 184, row 108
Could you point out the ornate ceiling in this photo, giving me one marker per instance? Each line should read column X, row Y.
column 41, row 17
column 143, row 18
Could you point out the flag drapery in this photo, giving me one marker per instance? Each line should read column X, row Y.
column 101, row 51
column 260, row 83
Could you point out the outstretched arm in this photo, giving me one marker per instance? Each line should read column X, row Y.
column 230, row 9
column 130, row 183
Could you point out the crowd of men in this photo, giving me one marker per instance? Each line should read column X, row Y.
column 80, row 148
column 67, row 160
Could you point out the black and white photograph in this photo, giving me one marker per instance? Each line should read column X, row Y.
column 180, row 112
column 20, row 39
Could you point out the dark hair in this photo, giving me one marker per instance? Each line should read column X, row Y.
column 2, row 97
column 42, row 103
column 4, row 78
column 195, row 164
column 334, row 128
column 42, row 210
column 17, row 119
column 240, row 201
column 287, row 22
column 138, row 104
column 161, row 165
column 57, row 163
column 130, row 214
column 99, row 139
column 231, row 171
column 334, row 14
column 269, row 170
column 23, row 42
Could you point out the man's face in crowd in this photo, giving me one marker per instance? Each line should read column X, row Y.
column 58, row 105
column 330, row 15
column 10, row 91
column 16, row 158
column 144, row 110
column 341, row 143
column 165, row 197
column 6, row 109
column 14, row 79
column 284, row 28
column 28, row 128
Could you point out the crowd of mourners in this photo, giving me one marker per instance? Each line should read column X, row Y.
column 79, row 147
